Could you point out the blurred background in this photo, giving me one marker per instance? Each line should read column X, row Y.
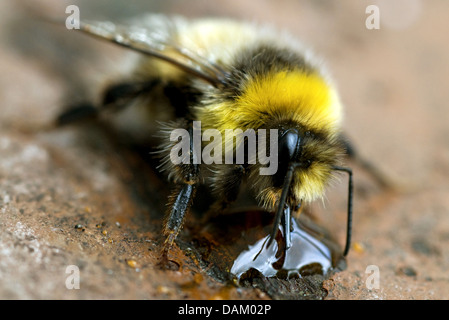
column 392, row 81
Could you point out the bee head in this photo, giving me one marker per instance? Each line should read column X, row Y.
column 289, row 151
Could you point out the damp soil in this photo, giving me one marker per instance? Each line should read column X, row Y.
column 234, row 247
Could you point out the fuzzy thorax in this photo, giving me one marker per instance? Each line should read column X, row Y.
column 303, row 97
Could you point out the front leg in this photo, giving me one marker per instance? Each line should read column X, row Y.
column 226, row 186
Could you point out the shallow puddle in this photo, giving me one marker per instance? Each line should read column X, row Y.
column 236, row 244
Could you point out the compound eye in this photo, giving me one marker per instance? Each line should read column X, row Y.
column 288, row 146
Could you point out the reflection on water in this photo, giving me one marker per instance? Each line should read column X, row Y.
column 236, row 244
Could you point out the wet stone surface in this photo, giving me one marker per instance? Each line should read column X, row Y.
column 233, row 248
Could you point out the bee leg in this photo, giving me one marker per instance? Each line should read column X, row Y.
column 120, row 95
column 115, row 98
column 286, row 225
column 82, row 112
column 366, row 165
column 183, row 197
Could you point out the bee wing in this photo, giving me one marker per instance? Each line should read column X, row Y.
column 157, row 42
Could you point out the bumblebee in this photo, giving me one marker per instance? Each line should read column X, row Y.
column 230, row 75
